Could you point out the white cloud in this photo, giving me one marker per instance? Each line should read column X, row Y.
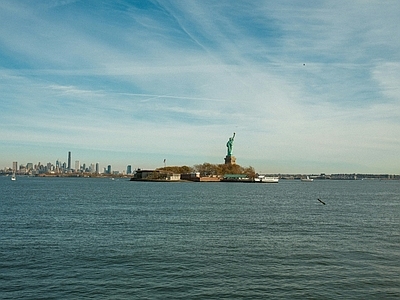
column 387, row 74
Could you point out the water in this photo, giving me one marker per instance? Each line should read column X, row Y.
column 82, row 238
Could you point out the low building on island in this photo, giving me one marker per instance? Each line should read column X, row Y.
column 154, row 175
column 236, row 178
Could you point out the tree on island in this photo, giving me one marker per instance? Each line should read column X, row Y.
column 176, row 169
column 207, row 169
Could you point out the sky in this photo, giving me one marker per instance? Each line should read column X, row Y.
column 307, row 86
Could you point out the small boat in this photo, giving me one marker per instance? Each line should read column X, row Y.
column 308, row 179
column 266, row 179
column 13, row 177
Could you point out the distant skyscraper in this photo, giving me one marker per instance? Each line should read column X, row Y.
column 109, row 169
column 97, row 168
column 15, row 166
column 129, row 169
column 69, row 160
column 77, row 167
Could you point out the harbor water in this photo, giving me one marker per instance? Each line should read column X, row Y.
column 86, row 238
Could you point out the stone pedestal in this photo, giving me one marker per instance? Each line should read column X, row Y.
column 230, row 160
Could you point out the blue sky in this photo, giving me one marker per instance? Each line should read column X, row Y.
column 308, row 86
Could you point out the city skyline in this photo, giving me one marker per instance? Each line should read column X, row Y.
column 60, row 166
column 309, row 87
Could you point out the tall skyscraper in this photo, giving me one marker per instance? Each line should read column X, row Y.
column 69, row 160
column 109, row 169
column 29, row 166
column 129, row 169
column 97, row 168
column 77, row 167
column 15, row 166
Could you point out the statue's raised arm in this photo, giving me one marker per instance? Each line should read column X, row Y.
column 229, row 145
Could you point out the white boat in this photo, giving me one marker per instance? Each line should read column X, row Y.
column 266, row 179
column 308, row 179
column 13, row 177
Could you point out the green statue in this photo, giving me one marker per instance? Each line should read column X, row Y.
column 229, row 145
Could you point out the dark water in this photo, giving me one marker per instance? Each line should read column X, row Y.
column 77, row 238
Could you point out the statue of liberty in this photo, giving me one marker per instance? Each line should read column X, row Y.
column 229, row 145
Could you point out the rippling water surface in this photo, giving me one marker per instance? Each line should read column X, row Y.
column 78, row 238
